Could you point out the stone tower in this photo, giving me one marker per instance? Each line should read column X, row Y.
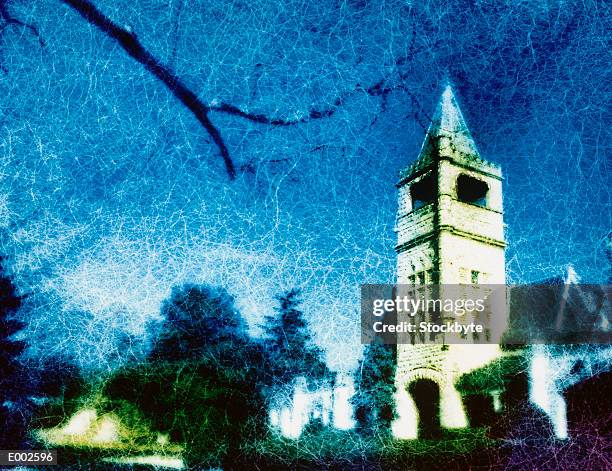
column 450, row 231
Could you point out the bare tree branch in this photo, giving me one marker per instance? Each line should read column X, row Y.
column 175, row 30
column 263, row 119
column 130, row 43
column 11, row 21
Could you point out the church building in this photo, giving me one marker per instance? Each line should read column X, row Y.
column 450, row 231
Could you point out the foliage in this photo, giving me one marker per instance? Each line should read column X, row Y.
column 200, row 322
column 200, row 383
column 60, row 385
column 374, row 383
column 12, row 376
column 290, row 351
column 204, row 380
column 336, row 449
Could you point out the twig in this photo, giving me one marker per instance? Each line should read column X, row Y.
column 130, row 43
column 11, row 21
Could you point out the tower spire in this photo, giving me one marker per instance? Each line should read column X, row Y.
column 448, row 136
column 450, row 231
column 448, row 132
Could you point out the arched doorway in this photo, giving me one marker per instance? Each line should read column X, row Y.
column 426, row 396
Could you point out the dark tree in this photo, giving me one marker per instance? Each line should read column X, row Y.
column 200, row 323
column 12, row 375
column 200, row 382
column 374, row 383
column 290, row 351
column 59, row 387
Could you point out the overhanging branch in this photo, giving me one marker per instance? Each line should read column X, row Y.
column 12, row 21
column 130, row 43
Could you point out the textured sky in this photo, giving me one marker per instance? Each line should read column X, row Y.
column 112, row 192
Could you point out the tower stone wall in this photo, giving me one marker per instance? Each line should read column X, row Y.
column 450, row 230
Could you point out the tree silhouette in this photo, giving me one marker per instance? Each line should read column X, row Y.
column 199, row 384
column 374, row 384
column 290, row 351
column 12, row 375
column 200, row 323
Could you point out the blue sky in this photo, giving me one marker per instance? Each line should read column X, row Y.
column 111, row 192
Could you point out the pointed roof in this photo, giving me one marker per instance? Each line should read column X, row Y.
column 447, row 136
column 448, row 122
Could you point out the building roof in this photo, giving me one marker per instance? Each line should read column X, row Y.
column 560, row 310
column 448, row 136
column 448, row 122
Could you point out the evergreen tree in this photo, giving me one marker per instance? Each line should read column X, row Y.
column 200, row 383
column 200, row 322
column 290, row 351
column 12, row 377
column 374, row 401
